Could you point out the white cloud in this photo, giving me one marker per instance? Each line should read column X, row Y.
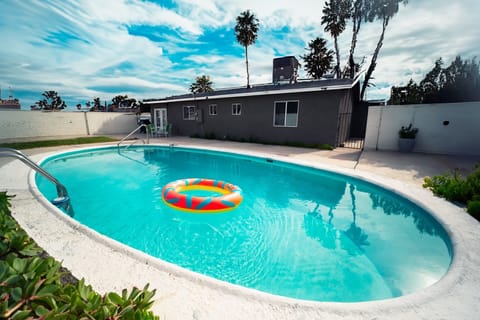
column 205, row 59
column 71, row 46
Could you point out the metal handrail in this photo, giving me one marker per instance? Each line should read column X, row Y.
column 135, row 130
column 63, row 200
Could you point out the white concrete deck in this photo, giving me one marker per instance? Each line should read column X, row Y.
column 181, row 294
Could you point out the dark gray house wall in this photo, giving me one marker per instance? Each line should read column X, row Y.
column 318, row 117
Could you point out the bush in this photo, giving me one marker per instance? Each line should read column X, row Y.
column 453, row 187
column 474, row 209
column 31, row 286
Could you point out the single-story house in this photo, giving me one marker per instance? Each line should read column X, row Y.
column 306, row 112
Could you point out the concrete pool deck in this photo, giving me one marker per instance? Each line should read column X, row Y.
column 181, row 294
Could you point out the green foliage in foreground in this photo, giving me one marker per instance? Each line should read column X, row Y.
column 454, row 187
column 55, row 143
column 31, row 286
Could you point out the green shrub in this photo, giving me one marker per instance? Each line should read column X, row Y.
column 450, row 186
column 453, row 187
column 473, row 208
column 31, row 284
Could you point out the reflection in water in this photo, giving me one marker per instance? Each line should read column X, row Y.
column 320, row 230
column 355, row 233
column 324, row 195
column 324, row 231
column 392, row 206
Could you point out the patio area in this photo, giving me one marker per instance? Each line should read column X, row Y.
column 181, row 294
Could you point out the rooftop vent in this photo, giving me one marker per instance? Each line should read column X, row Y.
column 285, row 69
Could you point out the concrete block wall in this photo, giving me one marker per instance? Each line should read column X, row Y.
column 449, row 128
column 26, row 124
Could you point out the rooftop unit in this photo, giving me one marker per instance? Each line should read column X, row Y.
column 285, row 69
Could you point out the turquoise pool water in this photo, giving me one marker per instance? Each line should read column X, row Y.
column 299, row 232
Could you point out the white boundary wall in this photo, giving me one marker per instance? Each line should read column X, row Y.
column 26, row 124
column 449, row 128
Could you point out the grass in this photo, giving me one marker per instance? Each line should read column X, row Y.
column 55, row 143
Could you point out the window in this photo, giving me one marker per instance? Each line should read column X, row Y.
column 285, row 114
column 189, row 112
column 212, row 109
column 236, row 109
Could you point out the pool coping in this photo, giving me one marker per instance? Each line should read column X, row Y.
column 182, row 294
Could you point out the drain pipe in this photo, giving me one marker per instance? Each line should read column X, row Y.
column 379, row 127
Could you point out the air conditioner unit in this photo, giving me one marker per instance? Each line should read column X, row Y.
column 285, row 69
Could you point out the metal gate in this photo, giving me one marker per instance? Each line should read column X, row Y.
column 352, row 127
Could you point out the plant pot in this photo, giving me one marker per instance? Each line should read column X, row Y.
column 406, row 144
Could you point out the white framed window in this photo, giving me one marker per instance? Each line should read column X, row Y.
column 236, row 109
column 212, row 109
column 285, row 113
column 189, row 112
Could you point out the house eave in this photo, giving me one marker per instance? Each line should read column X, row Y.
column 251, row 94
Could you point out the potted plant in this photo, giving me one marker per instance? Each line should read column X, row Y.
column 406, row 138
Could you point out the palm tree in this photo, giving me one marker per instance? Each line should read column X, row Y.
column 319, row 59
column 97, row 105
column 358, row 14
column 383, row 10
column 335, row 16
column 246, row 31
column 202, row 84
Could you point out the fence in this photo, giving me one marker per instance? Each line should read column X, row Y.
column 352, row 126
column 448, row 128
column 33, row 124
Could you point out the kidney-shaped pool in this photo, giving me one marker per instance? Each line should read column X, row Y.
column 299, row 232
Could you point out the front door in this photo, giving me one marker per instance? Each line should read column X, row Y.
column 160, row 119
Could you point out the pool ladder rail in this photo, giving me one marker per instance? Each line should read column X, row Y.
column 147, row 130
column 63, row 199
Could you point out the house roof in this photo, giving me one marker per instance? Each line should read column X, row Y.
column 263, row 89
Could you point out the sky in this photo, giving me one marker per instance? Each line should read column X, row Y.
column 153, row 49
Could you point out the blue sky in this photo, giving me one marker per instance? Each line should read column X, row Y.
column 152, row 49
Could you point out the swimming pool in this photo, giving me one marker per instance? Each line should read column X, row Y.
column 300, row 232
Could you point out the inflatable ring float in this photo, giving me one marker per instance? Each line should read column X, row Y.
column 175, row 194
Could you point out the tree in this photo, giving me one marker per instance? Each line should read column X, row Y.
column 432, row 83
column 383, row 10
column 123, row 102
column 458, row 82
column 51, row 101
column 97, row 105
column 335, row 15
column 246, row 31
column 202, row 84
column 318, row 60
column 461, row 81
column 358, row 14
column 118, row 99
column 409, row 94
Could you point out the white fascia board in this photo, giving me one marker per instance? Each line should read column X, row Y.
column 251, row 94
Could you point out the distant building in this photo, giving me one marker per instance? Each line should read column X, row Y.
column 10, row 103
